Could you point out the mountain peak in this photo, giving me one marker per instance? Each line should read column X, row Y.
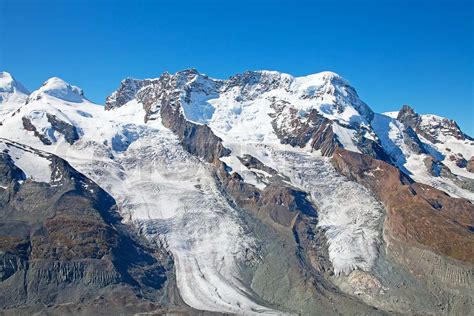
column 430, row 126
column 9, row 84
column 330, row 76
column 126, row 92
column 408, row 116
column 58, row 88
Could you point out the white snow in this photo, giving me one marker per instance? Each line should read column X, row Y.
column 58, row 88
column 248, row 175
column 390, row 133
column 172, row 195
column 348, row 213
column 392, row 114
column 158, row 186
column 34, row 165
column 12, row 95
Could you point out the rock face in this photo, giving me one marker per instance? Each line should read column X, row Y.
column 430, row 126
column 69, row 131
column 298, row 131
column 413, row 142
column 62, row 242
column 470, row 165
column 126, row 92
column 417, row 214
column 263, row 193
column 197, row 139
column 58, row 126
column 28, row 125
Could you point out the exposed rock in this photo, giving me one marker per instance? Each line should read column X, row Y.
column 430, row 126
column 413, row 142
column 63, row 243
column 69, row 131
column 253, row 163
column 409, row 117
column 369, row 146
column 470, row 165
column 438, row 169
column 298, row 131
column 254, row 83
column 47, row 137
column 461, row 162
column 199, row 140
column 417, row 214
column 125, row 93
column 363, row 282
column 28, row 125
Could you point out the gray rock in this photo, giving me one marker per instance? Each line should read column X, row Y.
column 63, row 243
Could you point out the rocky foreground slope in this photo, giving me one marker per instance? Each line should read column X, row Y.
column 260, row 194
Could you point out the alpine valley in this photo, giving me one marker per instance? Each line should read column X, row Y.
column 260, row 194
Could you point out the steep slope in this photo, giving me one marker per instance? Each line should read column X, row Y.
column 428, row 148
column 273, row 193
column 62, row 243
column 159, row 187
column 12, row 94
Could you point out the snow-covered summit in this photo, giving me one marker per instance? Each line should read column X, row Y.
column 9, row 84
column 326, row 92
column 60, row 89
column 11, row 89
column 433, row 127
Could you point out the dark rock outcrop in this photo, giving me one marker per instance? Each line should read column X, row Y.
column 63, row 243
column 70, row 132
column 439, row 169
column 199, row 140
column 436, row 126
column 297, row 131
column 470, row 165
column 28, row 125
column 417, row 214
column 126, row 92
column 410, row 138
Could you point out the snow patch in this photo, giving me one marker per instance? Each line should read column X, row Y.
column 34, row 165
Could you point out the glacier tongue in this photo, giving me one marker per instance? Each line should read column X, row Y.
column 349, row 215
column 168, row 192
column 173, row 198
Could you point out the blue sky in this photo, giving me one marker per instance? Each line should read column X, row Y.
column 393, row 52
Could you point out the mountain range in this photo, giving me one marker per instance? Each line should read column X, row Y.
column 263, row 193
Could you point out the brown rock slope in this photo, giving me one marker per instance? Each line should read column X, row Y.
column 293, row 267
column 63, row 248
column 417, row 214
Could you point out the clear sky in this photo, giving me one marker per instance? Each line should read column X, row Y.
column 394, row 52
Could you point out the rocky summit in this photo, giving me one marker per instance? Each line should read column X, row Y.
column 263, row 193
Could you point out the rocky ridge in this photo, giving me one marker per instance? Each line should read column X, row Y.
column 251, row 133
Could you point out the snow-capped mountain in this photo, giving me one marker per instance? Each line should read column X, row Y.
column 12, row 93
column 429, row 148
column 273, row 194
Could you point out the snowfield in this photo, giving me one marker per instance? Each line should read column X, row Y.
column 34, row 165
column 390, row 133
column 172, row 196
column 158, row 186
column 349, row 215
